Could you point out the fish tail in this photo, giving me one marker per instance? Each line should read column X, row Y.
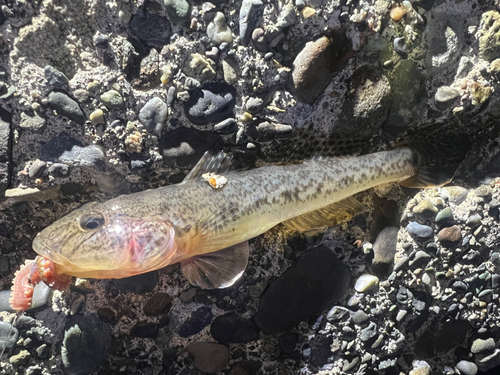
column 438, row 152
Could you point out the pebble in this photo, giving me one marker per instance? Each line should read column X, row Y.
column 86, row 344
column 20, row 358
column 259, row 40
column 227, row 126
column 421, row 258
column 55, row 78
column 418, row 230
column 314, row 283
column 210, row 103
column 159, row 303
column 266, row 131
column 250, row 17
column 400, row 47
column 32, row 122
column 474, row 220
column 337, row 313
column 33, row 194
column 401, row 314
column 454, row 194
column 218, row 31
column 65, row 106
column 145, row 330
column 151, row 29
column 445, row 96
column 154, row 114
column 233, row 329
column 450, row 236
column 467, row 368
column 97, row 116
column 444, row 217
column 178, row 11
column 198, row 320
column 424, row 210
column 481, row 345
column 140, row 284
column 369, row 332
column 366, row 282
column 384, row 250
column 8, row 335
column 359, row 317
column 112, row 99
column 246, row 368
column 209, row 357
column 36, row 170
column 420, row 368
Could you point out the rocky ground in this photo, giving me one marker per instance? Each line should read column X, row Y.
column 99, row 98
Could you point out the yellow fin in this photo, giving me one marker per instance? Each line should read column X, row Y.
column 334, row 214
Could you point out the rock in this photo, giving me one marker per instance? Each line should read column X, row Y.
column 32, row 122
column 246, row 368
column 320, row 350
column 20, row 358
column 178, row 11
column 421, row 258
column 444, row 217
column 36, row 170
column 367, row 102
column 97, row 116
column 154, row 115
column 232, row 329
column 218, row 31
column 227, row 126
column 359, row 317
column 58, row 146
column 439, row 337
column 200, row 67
column 259, row 40
column 480, row 345
column 159, row 303
column 467, row 368
column 86, row 344
column 316, row 65
column 63, row 105
column 139, row 284
column 5, row 153
column 145, row 330
column 445, row 96
column 266, row 131
column 366, row 282
column 420, row 368
column 464, row 67
column 487, row 360
column 489, row 41
column 251, row 12
column 8, row 335
column 384, row 250
column 112, row 99
column 450, row 236
column 33, row 194
column 315, row 282
column 400, row 47
column 337, row 313
column 198, row 320
column 151, row 29
column 369, row 332
column 55, row 78
column 209, row 357
column 231, row 71
column 419, row 231
column 106, row 315
column 210, row 103
column 424, row 210
column 454, row 194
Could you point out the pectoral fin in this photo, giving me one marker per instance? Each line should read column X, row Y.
column 334, row 214
column 215, row 270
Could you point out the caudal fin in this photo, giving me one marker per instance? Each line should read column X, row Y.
column 438, row 150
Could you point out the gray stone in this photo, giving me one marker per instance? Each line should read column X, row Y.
column 54, row 77
column 421, row 258
column 384, row 250
column 400, row 47
column 178, row 11
column 266, row 131
column 59, row 170
column 112, row 99
column 467, row 368
column 254, row 105
column 8, row 335
column 154, row 115
column 489, row 41
column 368, row 332
column 33, row 194
column 444, row 217
column 218, row 31
column 251, row 12
column 445, row 96
column 36, row 170
column 480, row 345
column 418, row 230
column 454, row 194
column 65, row 106
column 359, row 317
column 464, row 67
column 227, row 126
column 210, row 103
column 259, row 40
column 33, row 123
column 5, row 155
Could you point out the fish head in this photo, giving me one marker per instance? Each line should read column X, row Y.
column 101, row 241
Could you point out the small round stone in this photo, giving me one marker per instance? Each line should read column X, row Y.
column 445, row 96
column 36, row 170
column 366, row 282
column 454, row 194
column 112, row 99
column 420, row 368
column 444, row 217
column 450, row 236
column 209, row 357
column 418, row 230
column 97, row 117
column 424, row 210
column 467, row 368
column 480, row 345
column 397, row 13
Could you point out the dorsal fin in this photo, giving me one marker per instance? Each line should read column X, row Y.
column 218, row 163
column 333, row 214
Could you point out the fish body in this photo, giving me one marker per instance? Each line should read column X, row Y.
column 144, row 231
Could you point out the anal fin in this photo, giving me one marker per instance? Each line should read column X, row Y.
column 333, row 214
column 220, row 269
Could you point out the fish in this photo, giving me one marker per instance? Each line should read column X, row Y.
column 206, row 227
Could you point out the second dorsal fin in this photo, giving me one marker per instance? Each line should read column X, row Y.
column 218, row 163
column 333, row 214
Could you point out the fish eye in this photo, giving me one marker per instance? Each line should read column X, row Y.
column 91, row 221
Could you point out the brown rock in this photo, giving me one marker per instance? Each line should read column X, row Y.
column 449, row 236
column 209, row 357
column 159, row 303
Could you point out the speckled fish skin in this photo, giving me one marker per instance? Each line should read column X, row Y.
column 151, row 229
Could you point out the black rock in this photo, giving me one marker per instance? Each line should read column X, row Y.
column 287, row 342
column 145, row 329
column 59, row 170
column 139, row 284
column 232, row 328
column 57, row 146
column 210, row 103
column 151, row 29
column 159, row 303
column 440, row 337
column 198, row 320
column 54, row 77
column 37, row 168
column 321, row 350
column 65, row 106
column 315, row 282
column 86, row 344
column 246, row 368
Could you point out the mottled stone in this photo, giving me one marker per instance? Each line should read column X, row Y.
column 266, row 131
column 65, row 106
column 489, row 41
column 198, row 320
column 210, row 103
column 159, row 303
column 218, row 31
column 424, row 210
column 209, row 357
column 154, row 114
column 54, row 77
column 480, row 345
column 8, row 335
column 454, row 194
column 450, row 236
column 112, row 99
column 36, row 170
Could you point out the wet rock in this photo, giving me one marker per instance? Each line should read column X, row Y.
column 420, row 368
column 444, row 217
column 32, row 122
column 36, row 170
column 251, row 12
column 424, row 210
column 259, row 40
column 178, row 11
column 184, row 147
column 467, row 368
column 450, row 236
column 359, row 317
column 210, row 103
column 58, row 146
column 145, row 330
column 337, row 313
column 151, row 29
column 154, row 114
column 315, row 282
column 480, row 345
column 419, row 231
column 454, row 194
column 487, row 360
column 384, row 250
column 54, row 77
column 20, row 358
column 246, row 368
column 59, row 170
column 266, row 131
column 209, row 357
column 139, row 284
column 8, row 335
column 63, row 105
column 198, row 320
column 321, row 350
column 227, row 126
column 445, row 96
column 421, row 258
column 316, row 65
column 369, row 332
column 112, row 99
column 86, row 344
column 218, row 31
column 231, row 329
column 400, row 47
column 366, row 282
column 159, row 303
column 489, row 41
column 440, row 337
